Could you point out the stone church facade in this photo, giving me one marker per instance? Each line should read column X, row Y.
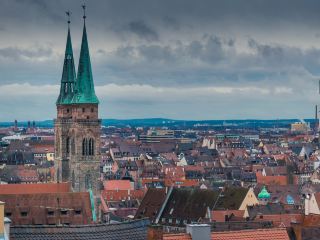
column 77, row 126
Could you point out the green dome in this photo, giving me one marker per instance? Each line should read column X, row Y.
column 264, row 193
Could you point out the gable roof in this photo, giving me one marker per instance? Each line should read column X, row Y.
column 151, row 203
column 231, row 198
column 189, row 204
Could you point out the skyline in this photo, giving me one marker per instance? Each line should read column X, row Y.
column 154, row 61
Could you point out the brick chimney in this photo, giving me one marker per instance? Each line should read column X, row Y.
column 155, row 232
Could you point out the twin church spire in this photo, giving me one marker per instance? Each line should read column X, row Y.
column 77, row 89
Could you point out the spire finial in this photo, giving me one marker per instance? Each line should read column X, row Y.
column 68, row 14
column 84, row 11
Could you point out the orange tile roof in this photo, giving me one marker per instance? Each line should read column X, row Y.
column 178, row 236
column 34, row 188
column 117, row 185
column 271, row 180
column 254, row 234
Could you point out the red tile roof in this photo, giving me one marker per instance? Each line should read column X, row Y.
column 34, row 188
column 178, row 236
column 117, row 185
column 256, row 234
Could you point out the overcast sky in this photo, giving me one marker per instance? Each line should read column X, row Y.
column 180, row 59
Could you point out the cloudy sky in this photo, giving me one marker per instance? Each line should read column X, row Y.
column 180, row 59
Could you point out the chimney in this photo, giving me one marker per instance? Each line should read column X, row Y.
column 155, row 232
column 199, row 231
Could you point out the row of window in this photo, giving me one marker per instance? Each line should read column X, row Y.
column 49, row 213
column 83, row 110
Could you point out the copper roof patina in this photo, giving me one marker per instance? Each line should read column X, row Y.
column 77, row 89
column 68, row 79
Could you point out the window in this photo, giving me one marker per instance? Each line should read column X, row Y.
column 77, row 212
column 87, row 117
column 73, row 180
column 24, row 214
column 88, row 147
column 64, row 212
column 88, row 181
column 68, row 110
column 83, row 110
column 68, row 145
column 50, row 213
column 92, row 110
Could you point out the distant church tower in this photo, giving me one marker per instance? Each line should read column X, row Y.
column 77, row 127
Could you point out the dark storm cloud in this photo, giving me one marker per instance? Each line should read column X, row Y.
column 141, row 29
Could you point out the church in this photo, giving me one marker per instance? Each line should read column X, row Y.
column 77, row 126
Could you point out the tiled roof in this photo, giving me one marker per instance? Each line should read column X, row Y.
column 151, row 203
column 189, row 204
column 257, row 234
column 117, row 185
column 34, row 188
column 48, row 208
column 231, row 198
column 178, row 236
column 135, row 230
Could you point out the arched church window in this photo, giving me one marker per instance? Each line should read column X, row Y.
column 92, row 147
column 84, row 147
column 68, row 146
column 73, row 180
column 87, row 181
column 72, row 146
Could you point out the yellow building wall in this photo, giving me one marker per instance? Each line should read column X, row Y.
column 1, row 218
column 249, row 200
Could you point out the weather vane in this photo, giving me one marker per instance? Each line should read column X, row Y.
column 84, row 11
column 68, row 14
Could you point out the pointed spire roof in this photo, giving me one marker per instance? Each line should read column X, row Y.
column 264, row 193
column 68, row 79
column 85, row 88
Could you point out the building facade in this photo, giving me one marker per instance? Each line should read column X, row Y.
column 77, row 126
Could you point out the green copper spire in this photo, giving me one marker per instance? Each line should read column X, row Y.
column 85, row 89
column 68, row 78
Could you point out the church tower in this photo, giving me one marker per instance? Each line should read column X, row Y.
column 77, row 126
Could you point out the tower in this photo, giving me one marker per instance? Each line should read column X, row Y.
column 77, row 126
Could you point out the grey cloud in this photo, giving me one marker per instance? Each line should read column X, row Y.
column 16, row 53
column 142, row 30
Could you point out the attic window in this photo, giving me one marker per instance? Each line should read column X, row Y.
column 77, row 212
column 64, row 212
column 50, row 213
column 24, row 214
